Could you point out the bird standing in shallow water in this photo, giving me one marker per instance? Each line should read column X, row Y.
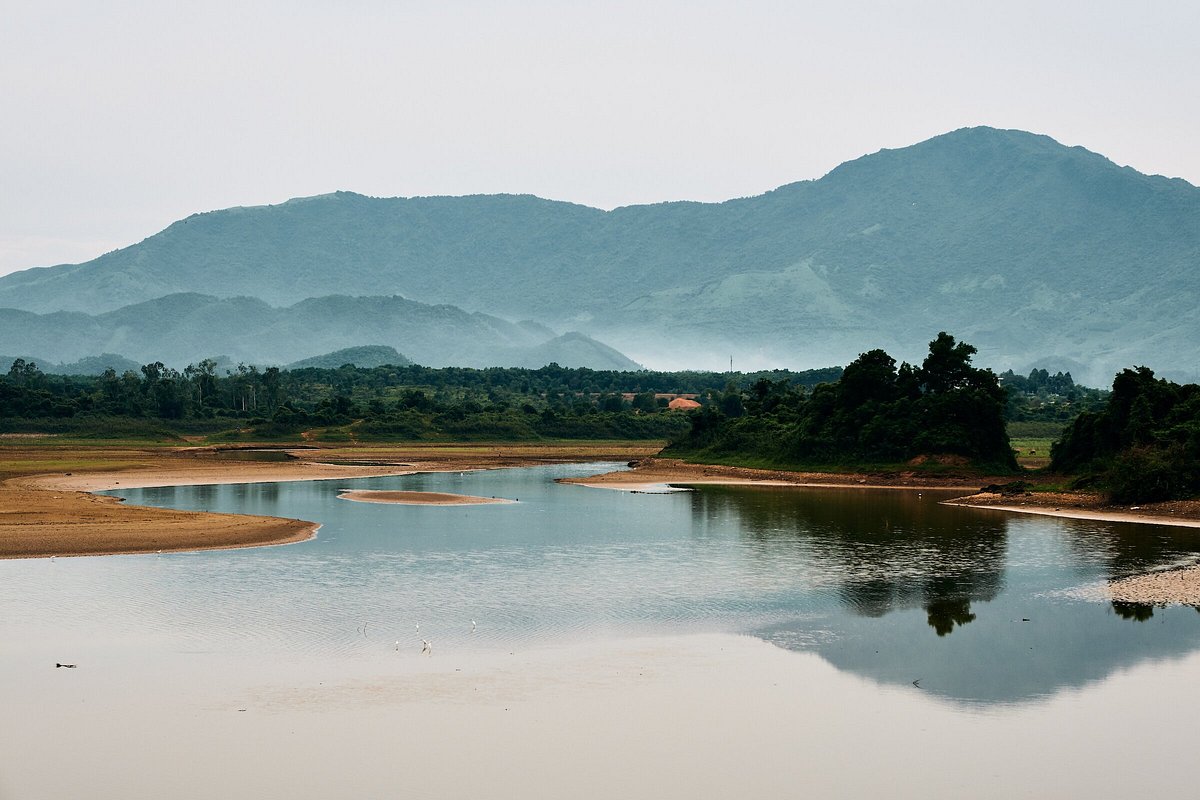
column 426, row 647
column 472, row 626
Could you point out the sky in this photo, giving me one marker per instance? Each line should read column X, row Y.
column 122, row 117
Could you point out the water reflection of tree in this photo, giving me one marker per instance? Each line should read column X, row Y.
column 1139, row 612
column 1121, row 549
column 883, row 550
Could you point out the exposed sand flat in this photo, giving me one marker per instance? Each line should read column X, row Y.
column 419, row 498
column 46, row 523
column 654, row 473
column 1084, row 505
column 1180, row 586
column 45, row 508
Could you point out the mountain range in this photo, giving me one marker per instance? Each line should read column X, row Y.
column 1037, row 253
column 183, row 328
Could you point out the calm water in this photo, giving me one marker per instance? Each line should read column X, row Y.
column 979, row 607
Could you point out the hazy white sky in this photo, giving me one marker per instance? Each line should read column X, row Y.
column 121, row 117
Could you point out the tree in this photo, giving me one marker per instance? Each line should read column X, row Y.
column 948, row 365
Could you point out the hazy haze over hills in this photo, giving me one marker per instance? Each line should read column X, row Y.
column 184, row 328
column 1031, row 250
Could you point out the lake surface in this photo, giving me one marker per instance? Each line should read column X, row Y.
column 975, row 610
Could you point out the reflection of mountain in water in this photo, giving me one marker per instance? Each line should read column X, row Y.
column 892, row 565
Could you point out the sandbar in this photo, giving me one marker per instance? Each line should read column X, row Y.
column 38, row 523
column 652, row 474
column 47, row 507
column 1165, row 587
column 419, row 498
column 1086, row 505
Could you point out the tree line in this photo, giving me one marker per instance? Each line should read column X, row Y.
column 1142, row 446
column 877, row 412
column 385, row 402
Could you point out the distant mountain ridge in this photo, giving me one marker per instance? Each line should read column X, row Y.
column 89, row 365
column 367, row 356
column 184, row 328
column 1024, row 247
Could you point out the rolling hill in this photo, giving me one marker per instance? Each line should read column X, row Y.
column 184, row 328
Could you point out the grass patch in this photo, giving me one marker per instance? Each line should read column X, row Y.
column 1032, row 453
column 1036, row 430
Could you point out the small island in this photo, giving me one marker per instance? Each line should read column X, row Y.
column 419, row 498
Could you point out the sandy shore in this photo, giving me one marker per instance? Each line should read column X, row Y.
column 1084, row 505
column 46, row 508
column 419, row 498
column 37, row 522
column 654, row 473
column 1181, row 586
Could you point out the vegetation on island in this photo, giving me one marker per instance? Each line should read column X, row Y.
column 1142, row 446
column 876, row 413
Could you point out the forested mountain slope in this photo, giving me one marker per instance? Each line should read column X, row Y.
column 1029, row 248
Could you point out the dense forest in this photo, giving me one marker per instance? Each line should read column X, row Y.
column 1142, row 446
column 387, row 402
column 875, row 413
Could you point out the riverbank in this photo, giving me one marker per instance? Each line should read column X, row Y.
column 657, row 473
column 1086, row 505
column 654, row 473
column 1178, row 586
column 47, row 507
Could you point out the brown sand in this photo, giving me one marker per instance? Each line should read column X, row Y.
column 1162, row 588
column 1087, row 505
column 45, row 508
column 419, row 498
column 36, row 522
column 656, row 472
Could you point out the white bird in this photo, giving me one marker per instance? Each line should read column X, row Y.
column 472, row 626
column 418, row 627
column 426, row 647
column 397, row 645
